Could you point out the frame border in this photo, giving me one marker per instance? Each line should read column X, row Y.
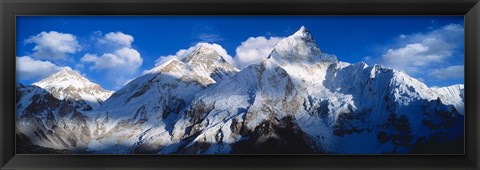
column 11, row 8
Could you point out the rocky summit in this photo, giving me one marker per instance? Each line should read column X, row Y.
column 298, row 100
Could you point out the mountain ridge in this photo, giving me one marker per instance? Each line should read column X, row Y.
column 298, row 100
column 69, row 84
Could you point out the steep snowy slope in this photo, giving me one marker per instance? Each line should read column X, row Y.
column 299, row 48
column 223, row 112
column 453, row 95
column 303, row 100
column 140, row 114
column 70, row 85
column 205, row 61
column 298, row 100
column 49, row 112
column 387, row 111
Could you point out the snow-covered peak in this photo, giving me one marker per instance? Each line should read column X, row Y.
column 207, row 62
column 171, row 66
column 203, row 54
column 170, row 86
column 299, row 48
column 303, row 32
column 69, row 84
column 204, row 61
column 204, row 48
column 64, row 78
column 196, row 102
column 452, row 95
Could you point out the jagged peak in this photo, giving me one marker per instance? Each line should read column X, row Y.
column 206, row 60
column 203, row 52
column 65, row 78
column 302, row 32
column 65, row 75
column 203, row 59
column 204, row 47
column 302, row 29
column 68, row 71
column 299, row 47
column 70, row 84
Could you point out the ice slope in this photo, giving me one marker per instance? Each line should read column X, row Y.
column 298, row 100
column 329, row 106
column 453, row 95
column 263, row 88
column 140, row 115
column 299, row 47
column 50, row 122
column 50, row 112
column 70, row 85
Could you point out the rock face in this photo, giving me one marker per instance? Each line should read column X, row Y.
column 207, row 62
column 299, row 47
column 50, row 112
column 152, row 102
column 301, row 99
column 70, row 85
column 298, row 100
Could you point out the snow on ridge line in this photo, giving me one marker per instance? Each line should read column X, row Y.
column 299, row 47
column 142, row 102
column 71, row 85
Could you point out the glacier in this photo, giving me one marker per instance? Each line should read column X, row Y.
column 298, row 100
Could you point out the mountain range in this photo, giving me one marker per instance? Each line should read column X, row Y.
column 298, row 100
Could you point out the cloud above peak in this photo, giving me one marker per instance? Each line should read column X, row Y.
column 254, row 50
column 53, row 45
column 411, row 56
column 451, row 72
column 31, row 69
column 118, row 38
column 126, row 59
column 420, row 53
column 119, row 62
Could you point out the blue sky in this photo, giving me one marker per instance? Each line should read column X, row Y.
column 111, row 50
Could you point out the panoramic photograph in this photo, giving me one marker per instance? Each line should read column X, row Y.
column 240, row 85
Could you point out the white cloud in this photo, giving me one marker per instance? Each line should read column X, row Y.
column 422, row 51
column 254, row 50
column 53, row 45
column 211, row 38
column 31, row 69
column 181, row 54
column 117, row 38
column 452, row 72
column 410, row 57
column 120, row 61
column 124, row 59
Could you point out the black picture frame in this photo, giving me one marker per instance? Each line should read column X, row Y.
column 11, row 8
